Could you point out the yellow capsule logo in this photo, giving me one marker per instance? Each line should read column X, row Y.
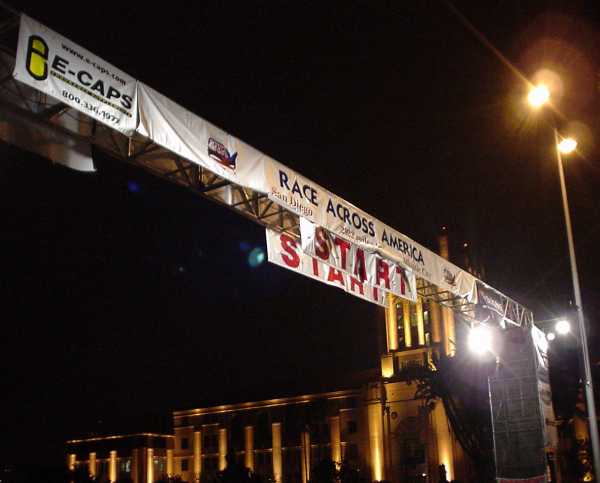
column 37, row 58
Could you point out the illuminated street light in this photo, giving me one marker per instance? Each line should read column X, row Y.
column 550, row 336
column 567, row 145
column 563, row 327
column 480, row 340
column 538, row 96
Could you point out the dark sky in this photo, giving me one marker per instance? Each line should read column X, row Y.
column 126, row 297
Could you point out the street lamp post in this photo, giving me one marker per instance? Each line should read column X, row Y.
column 583, row 343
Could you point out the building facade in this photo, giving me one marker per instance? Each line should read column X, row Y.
column 135, row 458
column 382, row 427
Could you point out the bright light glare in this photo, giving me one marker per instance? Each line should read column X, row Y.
column 538, row 96
column 480, row 339
column 551, row 336
column 563, row 327
column 567, row 145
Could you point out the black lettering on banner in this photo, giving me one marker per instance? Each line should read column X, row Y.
column 36, row 62
column 80, row 75
column 60, row 64
column 126, row 102
column 112, row 92
column 98, row 86
column 283, row 179
column 371, row 228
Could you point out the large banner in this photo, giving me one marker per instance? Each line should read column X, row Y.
column 366, row 266
column 285, row 251
column 197, row 140
column 311, row 201
column 52, row 64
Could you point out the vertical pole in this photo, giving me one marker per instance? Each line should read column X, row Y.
column 391, row 319
column 336, row 440
column 276, row 451
column 222, row 448
column 406, row 320
column 150, row 465
column 249, row 447
column 112, row 467
column 71, row 462
column 197, row 448
column 170, row 471
column 420, row 322
column 134, row 466
column 435, row 316
column 92, row 465
column 588, row 385
column 305, row 445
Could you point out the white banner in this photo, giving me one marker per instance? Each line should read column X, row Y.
column 195, row 139
column 364, row 265
column 540, row 343
column 309, row 200
column 285, row 251
column 52, row 64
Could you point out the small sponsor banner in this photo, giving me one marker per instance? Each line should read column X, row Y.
column 286, row 251
column 183, row 133
column 540, row 343
column 54, row 65
column 366, row 266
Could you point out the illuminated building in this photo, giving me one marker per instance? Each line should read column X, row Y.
column 139, row 458
column 377, row 424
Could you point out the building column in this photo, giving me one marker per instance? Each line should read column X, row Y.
column 375, row 419
column 92, row 465
column 441, row 427
column 391, row 323
column 112, row 466
column 222, row 448
column 449, row 331
column 276, row 452
column 71, row 461
column 170, row 471
column 135, row 462
column 406, row 321
column 197, row 447
column 335, row 438
column 150, row 465
column 420, row 322
column 305, row 442
column 436, row 327
column 249, row 447
column 447, row 313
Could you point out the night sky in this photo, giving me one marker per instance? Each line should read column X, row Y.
column 125, row 297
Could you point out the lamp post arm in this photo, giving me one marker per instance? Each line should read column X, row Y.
column 581, row 325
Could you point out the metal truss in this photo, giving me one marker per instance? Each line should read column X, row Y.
column 38, row 110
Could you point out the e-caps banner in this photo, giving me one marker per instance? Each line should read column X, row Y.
column 62, row 69
column 309, row 200
column 367, row 267
column 285, row 251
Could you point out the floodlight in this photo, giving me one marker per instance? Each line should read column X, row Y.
column 567, row 145
column 563, row 327
column 480, row 339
